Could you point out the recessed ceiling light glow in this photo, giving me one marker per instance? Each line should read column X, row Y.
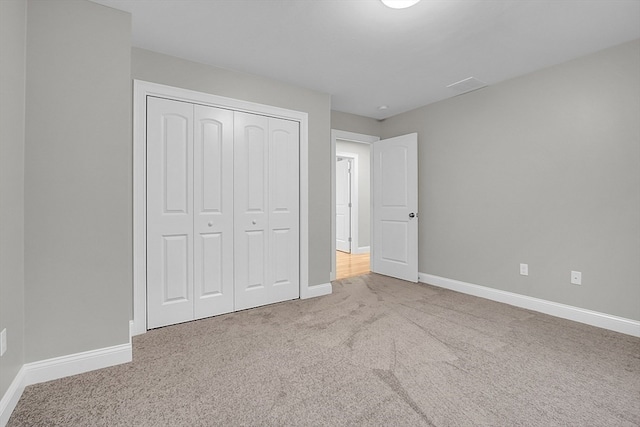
column 382, row 107
column 399, row 4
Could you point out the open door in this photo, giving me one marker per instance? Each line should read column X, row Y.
column 343, row 204
column 395, row 204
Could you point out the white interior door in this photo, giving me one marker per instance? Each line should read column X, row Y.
column 266, row 234
column 222, row 211
column 189, row 212
column 395, row 203
column 213, row 211
column 284, row 210
column 343, row 204
column 169, row 212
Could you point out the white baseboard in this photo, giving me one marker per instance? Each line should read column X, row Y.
column 589, row 317
column 137, row 327
column 60, row 367
column 73, row 364
column 362, row 250
column 11, row 397
column 316, row 291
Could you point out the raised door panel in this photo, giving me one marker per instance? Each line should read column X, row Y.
column 251, row 233
column 213, row 211
column 394, row 238
column 284, row 183
column 393, row 178
column 210, row 266
column 175, row 274
column 394, row 209
column 169, row 212
column 254, row 260
column 254, row 159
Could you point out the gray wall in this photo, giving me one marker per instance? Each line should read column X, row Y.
column 172, row 71
column 13, row 21
column 354, row 123
column 543, row 169
column 364, row 187
column 78, row 159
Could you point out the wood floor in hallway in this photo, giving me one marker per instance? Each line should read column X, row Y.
column 349, row 265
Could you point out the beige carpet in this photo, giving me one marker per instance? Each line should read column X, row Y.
column 377, row 352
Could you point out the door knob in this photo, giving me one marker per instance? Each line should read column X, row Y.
column 412, row 215
column 254, row 222
column 210, row 223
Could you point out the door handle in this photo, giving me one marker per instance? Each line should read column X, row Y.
column 412, row 215
column 210, row 223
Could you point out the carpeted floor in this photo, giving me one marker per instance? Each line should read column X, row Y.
column 377, row 352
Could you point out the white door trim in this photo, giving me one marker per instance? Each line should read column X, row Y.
column 141, row 90
column 350, row 137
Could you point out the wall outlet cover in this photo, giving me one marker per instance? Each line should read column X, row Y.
column 3, row 341
column 524, row 269
column 576, row 277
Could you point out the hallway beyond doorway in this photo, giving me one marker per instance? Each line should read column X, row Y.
column 349, row 265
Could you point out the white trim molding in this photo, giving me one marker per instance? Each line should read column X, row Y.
column 362, row 250
column 577, row 314
column 11, row 397
column 316, row 291
column 60, row 367
column 73, row 364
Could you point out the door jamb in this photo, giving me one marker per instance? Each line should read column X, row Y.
column 142, row 89
column 350, row 137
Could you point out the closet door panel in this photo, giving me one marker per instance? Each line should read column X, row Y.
column 251, row 210
column 213, row 211
column 254, row 260
column 175, row 259
column 169, row 212
column 210, row 267
column 253, row 158
column 284, row 216
column 222, row 211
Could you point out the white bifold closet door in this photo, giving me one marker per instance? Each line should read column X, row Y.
column 222, row 211
column 212, row 211
column 267, row 214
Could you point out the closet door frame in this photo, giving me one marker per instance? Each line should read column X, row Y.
column 142, row 90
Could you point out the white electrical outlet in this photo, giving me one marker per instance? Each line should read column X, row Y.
column 524, row 269
column 3, row 341
column 576, row 278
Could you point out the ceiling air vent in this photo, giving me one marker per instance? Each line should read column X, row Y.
column 467, row 85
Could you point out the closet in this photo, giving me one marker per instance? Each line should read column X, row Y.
column 222, row 211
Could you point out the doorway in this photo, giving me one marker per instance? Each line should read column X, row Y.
column 392, row 220
column 351, row 203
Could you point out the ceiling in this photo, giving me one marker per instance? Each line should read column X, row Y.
column 366, row 55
